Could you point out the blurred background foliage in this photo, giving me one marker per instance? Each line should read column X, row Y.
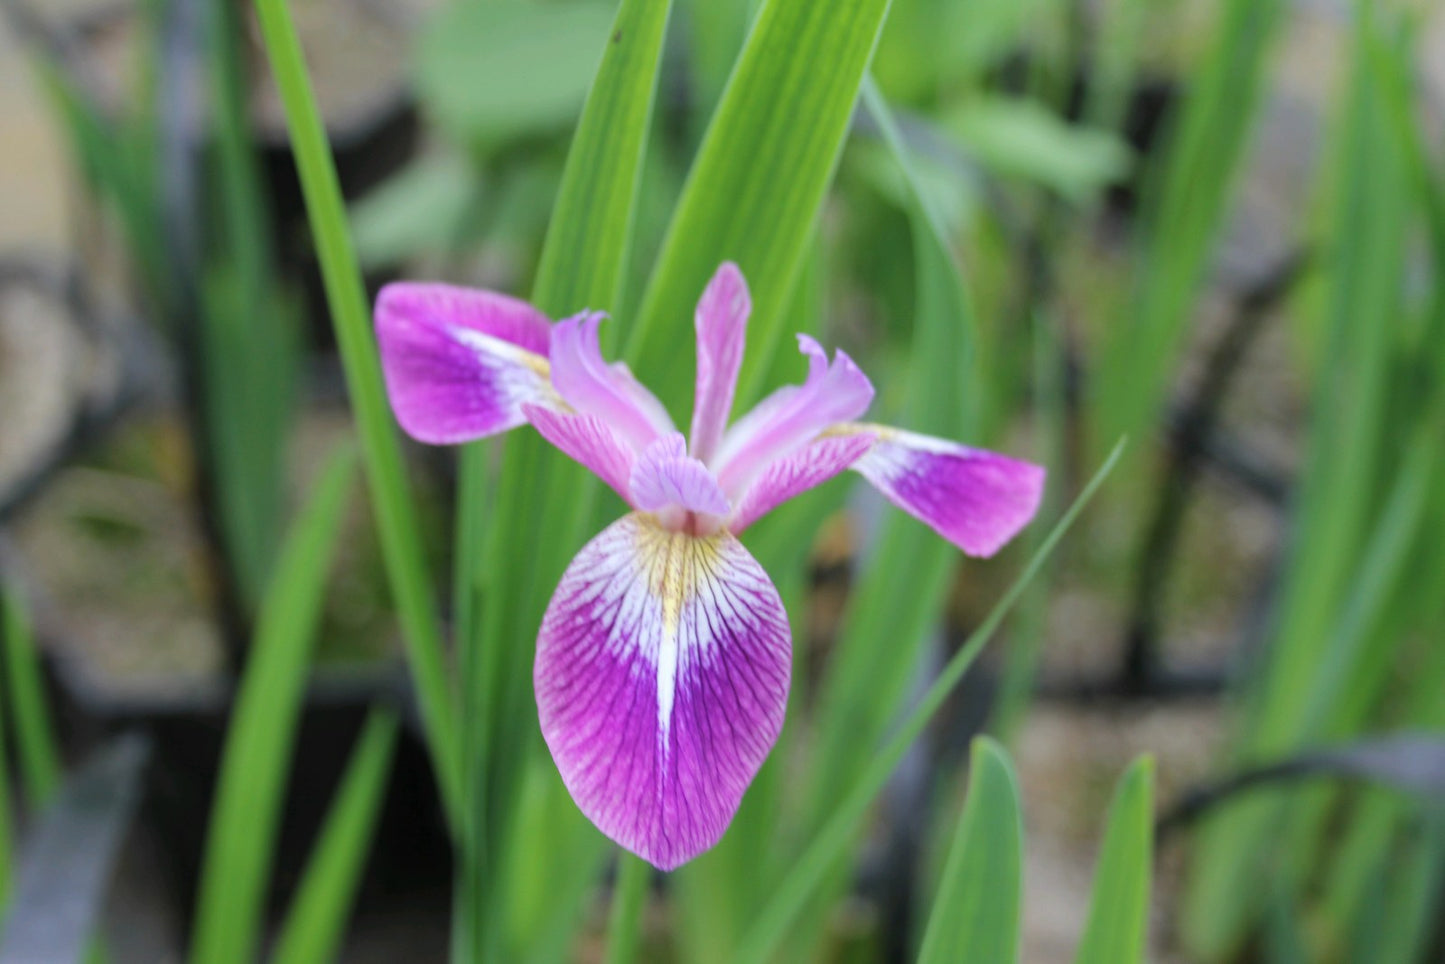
column 288, row 723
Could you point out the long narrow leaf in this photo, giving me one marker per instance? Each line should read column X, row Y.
column 976, row 913
column 756, row 188
column 1338, row 501
column 256, row 760
column 1119, row 909
column 34, row 737
column 411, row 585
column 316, row 921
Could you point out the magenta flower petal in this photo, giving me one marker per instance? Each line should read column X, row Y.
column 721, row 321
column 977, row 500
column 791, row 416
column 460, row 364
column 811, row 465
column 610, row 392
column 665, row 476
column 587, row 439
column 662, row 679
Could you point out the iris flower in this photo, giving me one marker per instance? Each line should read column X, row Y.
column 664, row 657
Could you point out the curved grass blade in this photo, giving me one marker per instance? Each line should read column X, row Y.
column 34, row 737
column 316, row 921
column 256, row 761
column 584, row 257
column 391, row 501
column 628, row 899
column 1337, row 516
column 903, row 585
column 1119, row 908
column 758, row 182
column 831, row 842
column 976, row 913
column 1189, row 205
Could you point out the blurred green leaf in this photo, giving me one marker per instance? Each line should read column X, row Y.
column 29, row 710
column 489, row 72
column 1119, row 908
column 256, row 760
column 316, row 922
column 629, row 897
column 757, row 185
column 1186, row 201
column 395, row 512
column 423, row 209
column 1345, row 555
column 901, row 590
column 1023, row 139
column 975, row 915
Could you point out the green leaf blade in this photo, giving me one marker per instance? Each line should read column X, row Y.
column 757, row 186
column 976, row 913
column 316, row 921
column 395, row 512
column 259, row 740
column 1119, row 908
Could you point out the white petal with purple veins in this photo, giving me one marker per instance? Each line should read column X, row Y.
column 662, row 680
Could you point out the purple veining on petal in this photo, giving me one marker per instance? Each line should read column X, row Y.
column 665, row 476
column 662, row 678
column 589, row 384
column 976, row 499
column 810, row 465
column 791, row 416
column 587, row 439
column 721, row 322
column 460, row 364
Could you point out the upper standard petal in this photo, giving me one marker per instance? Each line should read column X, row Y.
column 721, row 322
column 792, row 416
column 589, row 384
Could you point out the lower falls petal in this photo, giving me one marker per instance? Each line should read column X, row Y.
column 662, row 676
column 976, row 499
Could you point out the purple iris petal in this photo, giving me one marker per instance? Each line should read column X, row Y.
column 667, row 477
column 662, row 677
column 790, row 416
column 975, row 499
column 721, row 322
column 460, row 364
column 587, row 383
column 587, row 439
column 810, row 465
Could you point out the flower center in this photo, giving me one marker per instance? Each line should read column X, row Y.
column 674, row 518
